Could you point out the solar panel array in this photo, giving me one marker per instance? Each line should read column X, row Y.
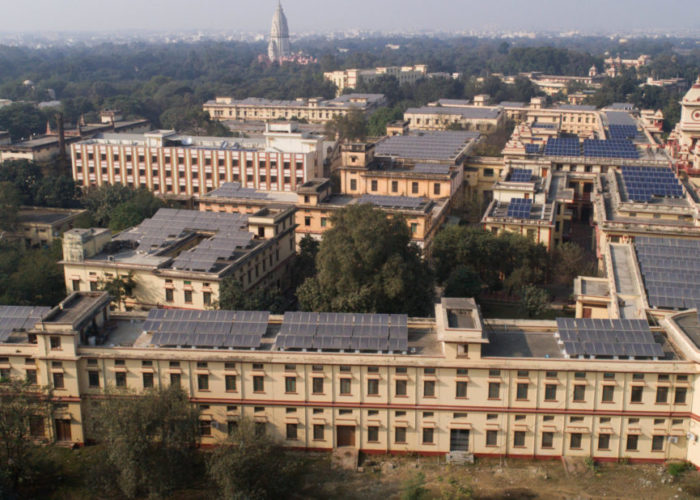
column 343, row 331
column 622, row 131
column 432, row 168
column 396, row 202
column 19, row 318
column 217, row 329
column 519, row 208
column 612, row 148
column 551, row 126
column 608, row 337
column 533, row 148
column 521, row 175
column 562, row 146
column 234, row 190
column 643, row 183
column 168, row 226
column 439, row 145
column 670, row 268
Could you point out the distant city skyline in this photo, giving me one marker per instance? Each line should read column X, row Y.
column 304, row 16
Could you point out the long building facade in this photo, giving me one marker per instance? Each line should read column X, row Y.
column 173, row 165
column 379, row 383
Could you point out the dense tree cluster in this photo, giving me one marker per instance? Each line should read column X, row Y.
column 367, row 263
column 118, row 207
column 30, row 276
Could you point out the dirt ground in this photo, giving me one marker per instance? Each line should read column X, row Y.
column 389, row 478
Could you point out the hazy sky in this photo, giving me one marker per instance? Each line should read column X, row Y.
column 330, row 15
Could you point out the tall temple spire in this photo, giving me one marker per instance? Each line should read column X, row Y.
column 278, row 47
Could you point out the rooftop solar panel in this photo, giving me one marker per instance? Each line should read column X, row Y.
column 608, row 338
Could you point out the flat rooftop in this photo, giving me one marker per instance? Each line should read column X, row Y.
column 75, row 307
column 433, row 146
column 45, row 215
column 516, row 343
column 234, row 190
column 469, row 113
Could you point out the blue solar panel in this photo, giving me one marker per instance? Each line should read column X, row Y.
column 521, row 175
column 519, row 208
column 532, row 148
column 613, row 148
column 644, row 183
column 622, row 132
column 563, row 146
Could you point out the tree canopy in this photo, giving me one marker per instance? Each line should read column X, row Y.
column 367, row 263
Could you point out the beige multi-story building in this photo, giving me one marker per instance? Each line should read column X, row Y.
column 313, row 110
column 581, row 120
column 684, row 140
column 483, row 119
column 178, row 258
column 529, row 201
column 351, row 78
column 379, row 383
column 622, row 210
column 40, row 226
column 424, row 164
column 173, row 165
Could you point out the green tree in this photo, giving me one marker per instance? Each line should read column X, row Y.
column 534, row 301
column 232, row 297
column 22, row 120
column 20, row 404
column 119, row 288
column 9, row 206
column 25, row 175
column 305, row 262
column 570, row 261
column 352, row 126
column 367, row 263
column 143, row 204
column 463, row 282
column 149, row 442
column 251, row 465
column 376, row 125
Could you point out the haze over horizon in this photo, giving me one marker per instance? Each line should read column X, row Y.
column 592, row 16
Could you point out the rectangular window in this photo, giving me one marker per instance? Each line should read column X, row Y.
column 230, row 383
column 58, row 380
column 579, row 393
column 400, row 388
column 373, row 434
column 547, row 439
column 374, row 185
column 494, row 390
column 188, row 296
column 317, row 385
column 494, row 373
column 205, row 427
column 203, row 381
column 345, row 384
column 550, row 392
column 36, row 426
column 373, row 386
column 551, row 374
column 521, row 391
column 661, row 395
column 30, row 377
column 353, row 185
column 461, row 389
column 290, row 384
column 436, row 189
column 93, row 378
column 55, row 342
column 428, row 435
column 394, row 186
column 175, row 379
column 147, row 380
column 603, row 441
column 519, row 438
column 76, row 285
column 491, row 438
column 232, row 427
column 318, row 432
column 414, row 187
column 206, row 297
column 258, row 383
column 632, row 442
column 680, row 395
column 657, row 443
column 429, row 388
column 636, row 394
column 291, row 431
column 575, row 440
column 608, row 393
column 400, row 435
column 169, row 295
